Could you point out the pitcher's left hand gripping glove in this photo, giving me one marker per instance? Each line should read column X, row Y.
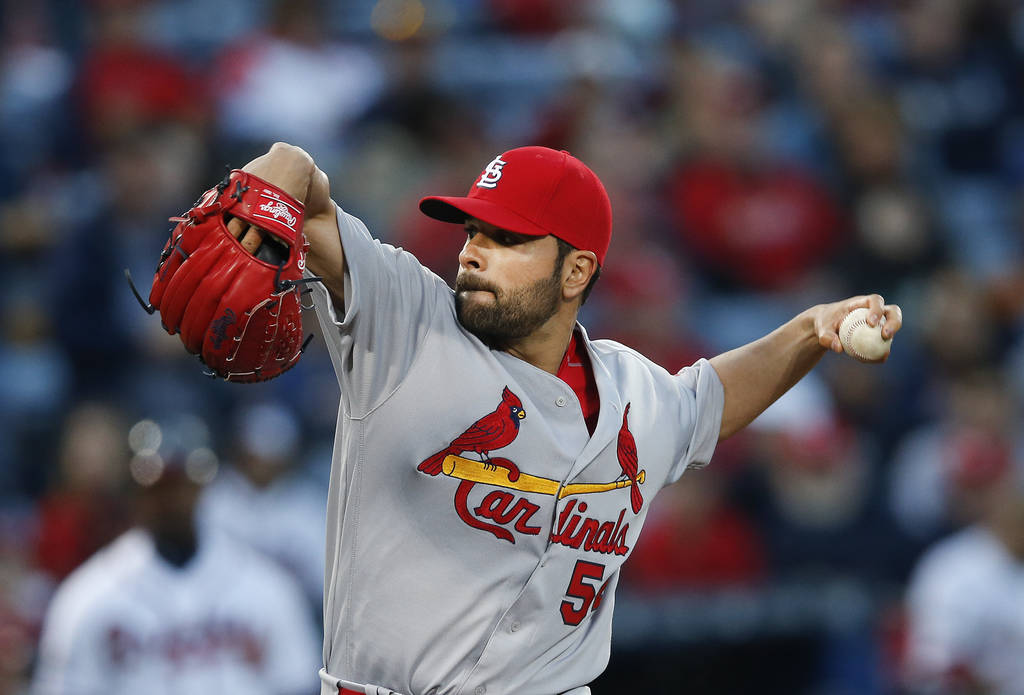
column 237, row 307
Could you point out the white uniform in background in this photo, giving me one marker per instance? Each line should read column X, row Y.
column 285, row 521
column 128, row 623
column 966, row 614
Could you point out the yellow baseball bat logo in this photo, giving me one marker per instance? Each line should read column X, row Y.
column 478, row 472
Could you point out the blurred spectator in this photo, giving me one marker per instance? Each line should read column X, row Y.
column 141, row 179
column 955, row 82
column 639, row 305
column 831, row 68
column 565, row 121
column 896, row 246
column 940, row 472
column 965, row 601
column 35, row 381
column 753, row 223
column 413, row 102
column 535, row 16
column 694, row 539
column 417, row 137
column 760, row 230
column 813, row 497
column 813, row 494
column 956, row 323
column 871, row 143
column 166, row 608
column 184, row 26
column 264, row 82
column 85, row 508
column 125, row 84
column 24, row 593
column 895, row 240
column 266, row 501
column 35, row 79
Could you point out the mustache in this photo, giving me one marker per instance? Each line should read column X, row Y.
column 468, row 283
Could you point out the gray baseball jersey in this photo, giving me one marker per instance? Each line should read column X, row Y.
column 475, row 528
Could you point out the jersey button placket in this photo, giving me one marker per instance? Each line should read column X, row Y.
column 480, row 690
column 561, row 401
column 514, row 627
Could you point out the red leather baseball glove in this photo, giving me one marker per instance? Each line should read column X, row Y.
column 236, row 303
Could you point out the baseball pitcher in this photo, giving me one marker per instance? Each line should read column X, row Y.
column 493, row 464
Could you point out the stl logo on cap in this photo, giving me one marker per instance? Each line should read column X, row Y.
column 492, row 173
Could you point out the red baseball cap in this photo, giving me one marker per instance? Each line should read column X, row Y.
column 535, row 191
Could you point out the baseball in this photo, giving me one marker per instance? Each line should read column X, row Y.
column 861, row 341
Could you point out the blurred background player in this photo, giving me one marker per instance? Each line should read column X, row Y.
column 966, row 599
column 166, row 609
column 264, row 498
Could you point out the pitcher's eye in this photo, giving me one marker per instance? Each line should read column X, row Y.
column 510, row 238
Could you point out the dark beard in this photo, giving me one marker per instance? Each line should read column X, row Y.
column 513, row 315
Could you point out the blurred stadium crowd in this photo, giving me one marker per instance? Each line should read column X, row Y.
column 761, row 156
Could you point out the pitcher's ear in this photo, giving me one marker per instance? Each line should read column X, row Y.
column 582, row 266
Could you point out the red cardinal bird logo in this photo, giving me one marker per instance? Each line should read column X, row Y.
column 626, row 453
column 493, row 431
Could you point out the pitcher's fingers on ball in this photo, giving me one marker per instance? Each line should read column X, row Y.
column 844, row 307
column 893, row 320
column 876, row 306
